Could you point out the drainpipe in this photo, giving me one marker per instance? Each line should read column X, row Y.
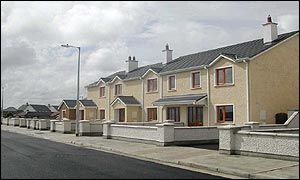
column 247, row 89
column 142, row 99
column 108, row 99
column 208, row 95
column 160, row 96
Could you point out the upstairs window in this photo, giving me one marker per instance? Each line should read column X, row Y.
column 196, row 80
column 118, row 89
column 102, row 91
column 172, row 82
column 152, row 85
column 224, row 76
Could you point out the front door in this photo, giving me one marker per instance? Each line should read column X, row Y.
column 122, row 115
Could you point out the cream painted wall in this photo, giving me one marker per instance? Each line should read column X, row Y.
column 274, row 81
column 183, row 84
column 232, row 94
column 150, row 97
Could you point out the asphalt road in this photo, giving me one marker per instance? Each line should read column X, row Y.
column 27, row 157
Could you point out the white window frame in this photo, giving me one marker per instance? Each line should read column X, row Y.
column 233, row 111
column 168, row 83
column 215, row 76
column 191, row 79
column 156, row 85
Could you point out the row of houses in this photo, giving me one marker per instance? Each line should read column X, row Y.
column 32, row 111
column 248, row 81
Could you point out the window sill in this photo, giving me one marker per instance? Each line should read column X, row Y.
column 103, row 97
column 225, row 123
column 151, row 92
column 196, row 88
column 171, row 90
column 225, row 85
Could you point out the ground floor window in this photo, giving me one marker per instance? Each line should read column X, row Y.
column 102, row 114
column 152, row 114
column 173, row 113
column 224, row 113
column 195, row 116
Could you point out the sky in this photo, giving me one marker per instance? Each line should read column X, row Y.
column 37, row 70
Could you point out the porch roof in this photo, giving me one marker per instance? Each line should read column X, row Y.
column 127, row 101
column 181, row 99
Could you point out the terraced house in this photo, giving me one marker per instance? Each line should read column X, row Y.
column 249, row 81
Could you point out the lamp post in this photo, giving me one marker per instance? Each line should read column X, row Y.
column 2, row 97
column 77, row 100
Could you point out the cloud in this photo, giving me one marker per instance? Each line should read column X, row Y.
column 36, row 69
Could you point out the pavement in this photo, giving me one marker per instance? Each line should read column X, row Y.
column 191, row 158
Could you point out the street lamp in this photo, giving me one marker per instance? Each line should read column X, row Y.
column 2, row 92
column 77, row 101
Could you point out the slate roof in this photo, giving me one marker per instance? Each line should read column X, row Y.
column 246, row 49
column 129, row 100
column 181, row 99
column 72, row 103
column 136, row 73
column 40, row 108
column 87, row 102
column 10, row 109
column 22, row 108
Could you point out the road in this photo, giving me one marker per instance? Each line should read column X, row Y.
column 28, row 157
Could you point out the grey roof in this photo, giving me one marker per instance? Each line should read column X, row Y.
column 22, row 108
column 87, row 102
column 242, row 50
column 136, row 73
column 40, row 108
column 181, row 99
column 10, row 109
column 127, row 100
column 72, row 103
column 56, row 107
column 142, row 70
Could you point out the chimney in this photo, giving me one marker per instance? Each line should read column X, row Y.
column 131, row 64
column 168, row 54
column 270, row 30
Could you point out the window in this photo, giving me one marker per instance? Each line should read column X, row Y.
column 224, row 113
column 102, row 91
column 173, row 113
column 152, row 114
column 118, row 89
column 196, row 80
column 224, row 76
column 152, row 85
column 195, row 116
column 102, row 114
column 64, row 114
column 172, row 82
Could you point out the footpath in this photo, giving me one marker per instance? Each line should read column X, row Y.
column 191, row 158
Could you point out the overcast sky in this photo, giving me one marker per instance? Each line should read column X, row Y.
column 36, row 69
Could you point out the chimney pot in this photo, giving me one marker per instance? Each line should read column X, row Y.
column 129, row 58
column 269, row 19
column 133, row 58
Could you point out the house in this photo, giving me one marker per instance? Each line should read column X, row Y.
column 87, row 109
column 34, row 111
column 10, row 111
column 248, row 81
column 54, row 111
